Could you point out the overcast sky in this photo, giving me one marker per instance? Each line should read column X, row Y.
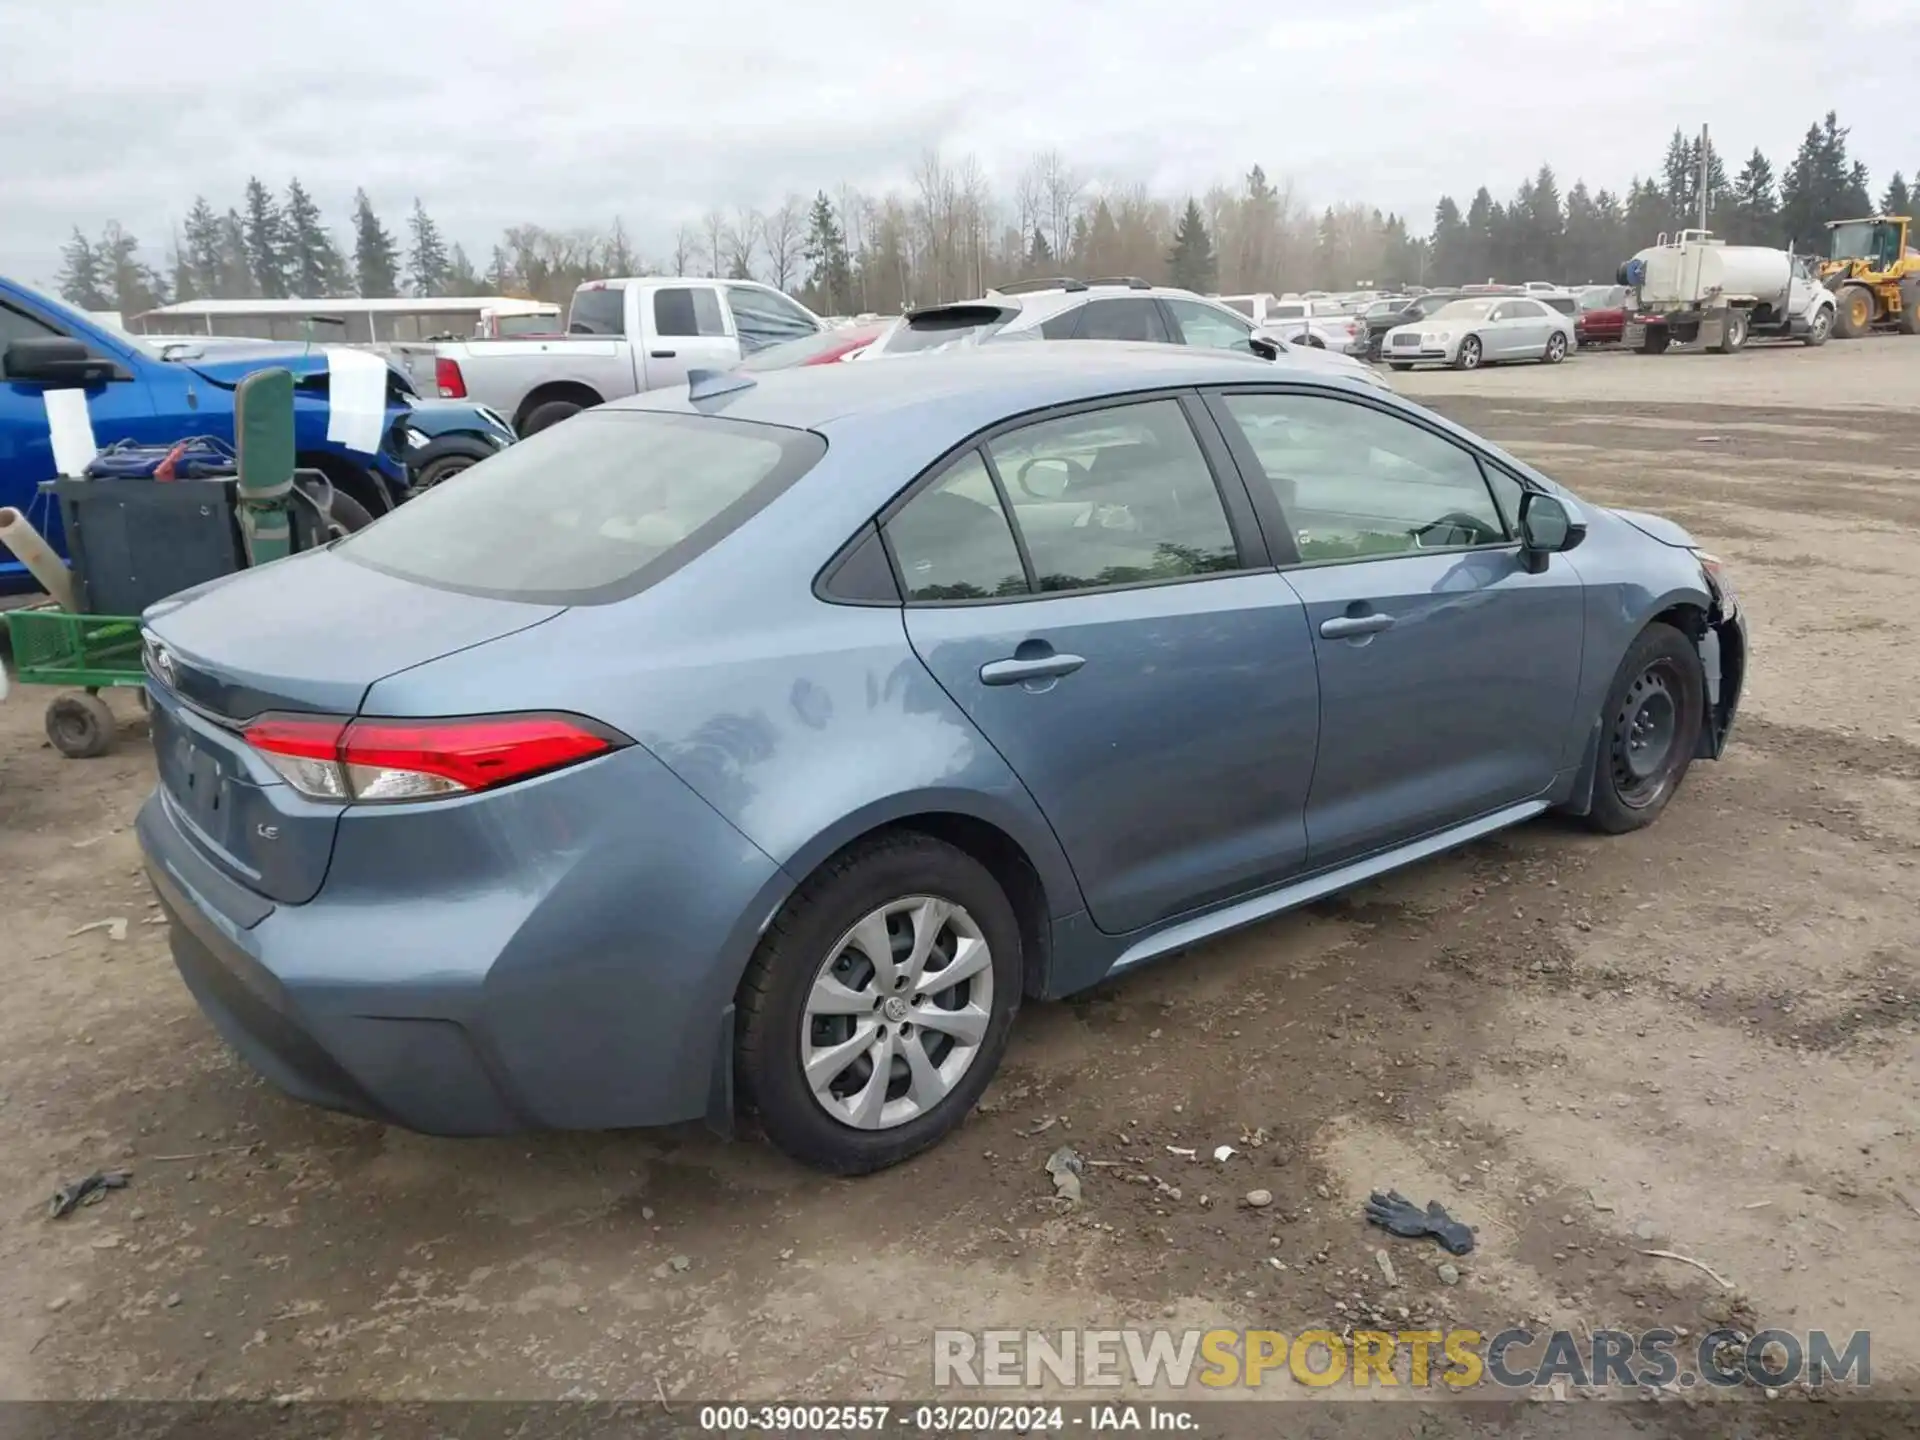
column 568, row 112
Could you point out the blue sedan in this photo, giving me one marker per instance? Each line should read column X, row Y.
column 763, row 744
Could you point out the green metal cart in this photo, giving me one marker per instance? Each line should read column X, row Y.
column 88, row 654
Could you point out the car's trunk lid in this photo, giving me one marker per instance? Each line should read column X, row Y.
column 311, row 634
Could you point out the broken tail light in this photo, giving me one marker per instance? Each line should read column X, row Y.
column 326, row 757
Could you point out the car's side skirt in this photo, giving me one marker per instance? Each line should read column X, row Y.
column 1187, row 933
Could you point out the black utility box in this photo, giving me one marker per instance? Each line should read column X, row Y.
column 133, row 542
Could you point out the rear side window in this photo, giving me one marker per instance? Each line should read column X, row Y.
column 1122, row 320
column 687, row 310
column 599, row 507
column 952, row 541
column 1565, row 304
column 598, row 312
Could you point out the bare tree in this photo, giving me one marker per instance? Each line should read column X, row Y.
column 741, row 241
column 933, row 185
column 974, row 215
column 714, row 224
column 856, row 215
column 1061, row 187
column 686, row 245
column 784, row 234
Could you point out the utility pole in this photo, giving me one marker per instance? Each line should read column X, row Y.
column 1705, row 152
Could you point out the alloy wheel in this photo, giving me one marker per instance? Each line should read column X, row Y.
column 897, row 1012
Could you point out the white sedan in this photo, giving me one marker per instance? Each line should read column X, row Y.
column 1479, row 330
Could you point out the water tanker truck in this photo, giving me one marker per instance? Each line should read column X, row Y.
column 1696, row 288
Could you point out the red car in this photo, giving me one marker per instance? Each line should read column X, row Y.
column 1602, row 319
column 823, row 348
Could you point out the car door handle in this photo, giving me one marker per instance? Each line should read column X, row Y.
column 1341, row 627
column 1043, row 667
column 662, row 354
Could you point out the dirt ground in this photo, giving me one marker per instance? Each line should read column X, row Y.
column 1701, row 1038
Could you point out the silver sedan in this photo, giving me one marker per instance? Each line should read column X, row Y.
column 1469, row 333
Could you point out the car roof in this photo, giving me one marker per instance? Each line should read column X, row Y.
column 966, row 390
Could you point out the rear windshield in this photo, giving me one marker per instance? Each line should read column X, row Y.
column 1565, row 304
column 598, row 312
column 962, row 325
column 796, row 352
column 592, row 509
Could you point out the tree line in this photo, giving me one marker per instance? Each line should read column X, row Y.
column 950, row 234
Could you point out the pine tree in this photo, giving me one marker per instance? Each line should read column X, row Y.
column 266, row 234
column 1857, row 197
column 1039, row 253
column 427, row 259
column 1647, row 214
column 1191, row 264
column 186, row 284
column 1450, row 244
column 461, row 279
column 81, row 274
column 1542, row 226
column 236, row 281
column 202, row 248
column 1804, row 200
column 313, row 260
column 1756, row 210
column 1481, row 215
column 376, row 259
column 829, row 271
column 1584, row 255
column 133, row 286
column 1897, row 200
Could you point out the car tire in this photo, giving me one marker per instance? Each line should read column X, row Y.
column 549, row 414
column 1910, row 307
column 1656, row 340
column 1819, row 328
column 1649, row 729
column 447, row 466
column 1469, row 355
column 81, row 726
column 1556, row 348
column 1733, row 333
column 813, row 945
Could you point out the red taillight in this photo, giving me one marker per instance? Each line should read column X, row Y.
column 328, row 758
column 447, row 378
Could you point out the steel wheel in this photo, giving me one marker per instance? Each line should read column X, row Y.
column 897, row 1012
column 1645, row 729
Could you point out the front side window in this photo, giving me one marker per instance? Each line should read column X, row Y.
column 602, row 505
column 1354, row 482
column 18, row 325
column 1114, row 497
column 1208, row 328
column 687, row 310
column 764, row 317
column 1122, row 320
column 952, row 541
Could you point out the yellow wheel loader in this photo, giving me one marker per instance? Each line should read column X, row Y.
column 1874, row 275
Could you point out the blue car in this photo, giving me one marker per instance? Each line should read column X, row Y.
column 159, row 393
column 763, row 744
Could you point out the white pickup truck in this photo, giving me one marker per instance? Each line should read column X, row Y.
column 623, row 336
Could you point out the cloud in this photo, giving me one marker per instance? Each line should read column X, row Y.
column 497, row 112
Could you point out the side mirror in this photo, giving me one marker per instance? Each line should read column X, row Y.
column 56, row 360
column 1546, row 528
column 1263, row 347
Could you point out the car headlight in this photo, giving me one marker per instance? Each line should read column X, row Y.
column 1716, row 573
column 1436, row 337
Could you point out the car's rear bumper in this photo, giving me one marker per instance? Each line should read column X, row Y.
column 592, row 993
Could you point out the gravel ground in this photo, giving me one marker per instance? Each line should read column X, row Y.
column 1700, row 1038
